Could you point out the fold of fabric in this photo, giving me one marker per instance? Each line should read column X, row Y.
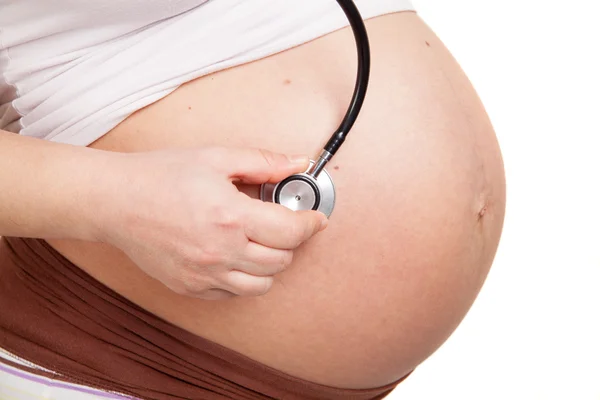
column 56, row 316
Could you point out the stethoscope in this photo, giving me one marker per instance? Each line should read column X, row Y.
column 314, row 189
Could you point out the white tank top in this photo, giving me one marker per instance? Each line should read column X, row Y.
column 71, row 70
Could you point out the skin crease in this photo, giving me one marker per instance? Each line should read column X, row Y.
column 421, row 198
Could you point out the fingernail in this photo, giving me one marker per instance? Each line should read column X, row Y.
column 299, row 159
column 324, row 224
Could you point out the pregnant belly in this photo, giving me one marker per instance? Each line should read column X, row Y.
column 419, row 214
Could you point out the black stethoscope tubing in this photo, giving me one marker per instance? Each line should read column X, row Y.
column 360, row 90
column 314, row 189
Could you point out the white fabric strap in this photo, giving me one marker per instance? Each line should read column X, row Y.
column 16, row 384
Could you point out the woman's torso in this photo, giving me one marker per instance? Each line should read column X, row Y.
column 421, row 203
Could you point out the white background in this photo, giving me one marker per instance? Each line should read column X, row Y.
column 534, row 332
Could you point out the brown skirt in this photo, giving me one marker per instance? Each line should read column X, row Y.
column 55, row 315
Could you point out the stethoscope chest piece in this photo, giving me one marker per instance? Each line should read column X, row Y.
column 302, row 192
column 314, row 189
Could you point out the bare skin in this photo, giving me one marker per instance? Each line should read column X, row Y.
column 420, row 211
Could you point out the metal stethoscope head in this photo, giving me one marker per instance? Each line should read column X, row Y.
column 314, row 189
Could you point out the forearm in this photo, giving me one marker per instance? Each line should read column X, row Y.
column 49, row 190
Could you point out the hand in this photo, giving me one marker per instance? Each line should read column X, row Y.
column 179, row 216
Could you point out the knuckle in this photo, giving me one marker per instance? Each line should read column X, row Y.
column 195, row 281
column 268, row 156
column 211, row 260
column 195, row 274
column 184, row 283
column 268, row 283
column 209, row 282
column 247, row 285
column 297, row 232
column 287, row 258
column 259, row 289
column 203, row 258
column 226, row 217
column 272, row 158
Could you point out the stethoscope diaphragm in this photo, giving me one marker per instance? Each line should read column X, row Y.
column 302, row 192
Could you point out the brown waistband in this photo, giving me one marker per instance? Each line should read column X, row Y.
column 54, row 314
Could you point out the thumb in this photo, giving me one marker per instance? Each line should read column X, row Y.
column 257, row 166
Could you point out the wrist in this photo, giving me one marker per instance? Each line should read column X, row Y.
column 54, row 191
column 102, row 188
